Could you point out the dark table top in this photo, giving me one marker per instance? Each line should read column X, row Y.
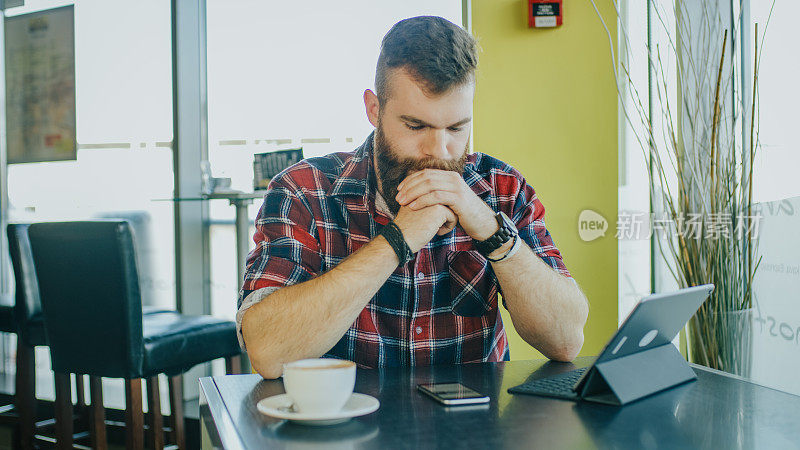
column 717, row 411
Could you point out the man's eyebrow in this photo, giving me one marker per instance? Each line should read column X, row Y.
column 422, row 122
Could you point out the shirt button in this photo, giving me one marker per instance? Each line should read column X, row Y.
column 419, row 330
column 420, row 276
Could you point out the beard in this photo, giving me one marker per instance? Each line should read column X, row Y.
column 392, row 169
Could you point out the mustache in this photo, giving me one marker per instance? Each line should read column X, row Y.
column 399, row 168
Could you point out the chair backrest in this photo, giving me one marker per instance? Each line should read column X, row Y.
column 27, row 305
column 89, row 288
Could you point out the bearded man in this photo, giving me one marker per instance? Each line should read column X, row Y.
column 394, row 254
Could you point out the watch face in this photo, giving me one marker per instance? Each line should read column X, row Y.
column 509, row 227
column 512, row 227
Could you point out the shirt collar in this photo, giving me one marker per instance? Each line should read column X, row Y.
column 474, row 179
column 356, row 178
column 381, row 206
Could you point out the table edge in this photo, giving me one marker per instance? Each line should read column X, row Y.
column 739, row 378
column 220, row 416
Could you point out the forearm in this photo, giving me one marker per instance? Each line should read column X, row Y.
column 548, row 309
column 307, row 319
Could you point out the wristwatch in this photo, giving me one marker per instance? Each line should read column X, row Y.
column 506, row 232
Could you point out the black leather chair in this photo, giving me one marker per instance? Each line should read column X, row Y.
column 10, row 414
column 23, row 316
column 89, row 287
column 29, row 326
column 7, row 314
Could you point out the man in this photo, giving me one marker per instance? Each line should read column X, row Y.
column 394, row 254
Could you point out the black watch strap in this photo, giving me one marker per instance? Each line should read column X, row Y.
column 391, row 232
column 506, row 232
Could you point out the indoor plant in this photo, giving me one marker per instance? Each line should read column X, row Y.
column 695, row 130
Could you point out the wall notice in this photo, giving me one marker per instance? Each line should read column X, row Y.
column 40, row 86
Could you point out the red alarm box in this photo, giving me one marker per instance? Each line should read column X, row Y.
column 545, row 13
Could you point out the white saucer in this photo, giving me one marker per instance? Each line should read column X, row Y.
column 280, row 407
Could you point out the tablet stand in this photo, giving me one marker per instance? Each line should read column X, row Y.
column 623, row 380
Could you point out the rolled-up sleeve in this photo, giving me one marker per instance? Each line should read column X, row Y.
column 286, row 246
column 528, row 215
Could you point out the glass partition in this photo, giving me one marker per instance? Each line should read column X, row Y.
column 287, row 75
column 776, row 317
column 124, row 128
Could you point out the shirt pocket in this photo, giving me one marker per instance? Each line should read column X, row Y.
column 471, row 283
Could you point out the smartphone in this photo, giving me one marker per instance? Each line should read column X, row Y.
column 452, row 394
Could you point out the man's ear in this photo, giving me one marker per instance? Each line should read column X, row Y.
column 372, row 106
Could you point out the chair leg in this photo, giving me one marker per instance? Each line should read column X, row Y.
column 63, row 406
column 81, row 407
column 97, row 421
column 156, row 432
column 134, row 418
column 80, row 393
column 233, row 365
column 25, row 393
column 176, row 408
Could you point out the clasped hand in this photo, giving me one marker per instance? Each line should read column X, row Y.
column 433, row 201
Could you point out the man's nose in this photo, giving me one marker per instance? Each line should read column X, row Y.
column 436, row 145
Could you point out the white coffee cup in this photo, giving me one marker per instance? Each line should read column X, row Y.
column 319, row 386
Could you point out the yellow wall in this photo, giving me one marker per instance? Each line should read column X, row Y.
column 546, row 103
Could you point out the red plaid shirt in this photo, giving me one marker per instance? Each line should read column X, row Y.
column 440, row 308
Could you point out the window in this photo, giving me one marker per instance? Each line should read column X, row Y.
column 124, row 128
column 283, row 75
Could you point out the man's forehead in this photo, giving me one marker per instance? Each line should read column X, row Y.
column 408, row 97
